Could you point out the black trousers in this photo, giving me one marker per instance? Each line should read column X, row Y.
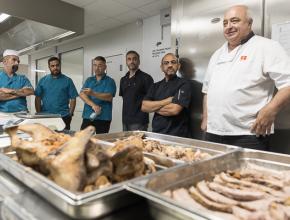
column 101, row 126
column 134, row 127
column 247, row 141
column 67, row 121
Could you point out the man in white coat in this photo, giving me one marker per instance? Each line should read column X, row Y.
column 239, row 107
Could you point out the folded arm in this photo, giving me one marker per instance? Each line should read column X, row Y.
column 102, row 96
column 153, row 106
column 8, row 94
column 170, row 110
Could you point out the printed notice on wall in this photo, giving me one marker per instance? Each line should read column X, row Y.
column 160, row 52
column 281, row 33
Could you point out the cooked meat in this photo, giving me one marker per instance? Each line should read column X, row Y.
column 229, row 179
column 275, row 184
column 98, row 163
column 167, row 193
column 32, row 153
column 67, row 166
column 78, row 163
column 279, row 212
column 244, row 214
column 181, row 195
column 242, row 195
column 150, row 165
column 233, row 193
column 207, row 203
column 177, row 152
column 128, row 163
column 258, row 205
column 135, row 140
column 152, row 146
column 212, row 195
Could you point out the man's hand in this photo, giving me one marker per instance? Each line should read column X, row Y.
column 97, row 108
column 87, row 91
column 8, row 91
column 265, row 119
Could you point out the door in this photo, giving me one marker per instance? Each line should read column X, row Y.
column 115, row 69
column 72, row 65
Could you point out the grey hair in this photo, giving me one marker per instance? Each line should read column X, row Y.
column 249, row 14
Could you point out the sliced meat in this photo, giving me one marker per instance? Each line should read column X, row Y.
column 258, row 205
column 275, row 184
column 207, row 203
column 183, row 197
column 229, row 179
column 214, row 196
column 244, row 214
column 253, row 168
column 279, row 212
column 243, row 195
column 167, row 193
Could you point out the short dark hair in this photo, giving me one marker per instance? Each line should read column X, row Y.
column 133, row 52
column 53, row 59
column 184, row 64
column 100, row 58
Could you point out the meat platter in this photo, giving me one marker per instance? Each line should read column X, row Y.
column 258, row 182
column 188, row 150
column 64, row 195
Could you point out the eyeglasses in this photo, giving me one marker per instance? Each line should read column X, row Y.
column 173, row 62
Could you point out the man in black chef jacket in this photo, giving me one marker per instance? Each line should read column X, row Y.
column 169, row 99
column 133, row 87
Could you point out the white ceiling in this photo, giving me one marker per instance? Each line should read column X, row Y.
column 101, row 15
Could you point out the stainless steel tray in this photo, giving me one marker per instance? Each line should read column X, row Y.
column 77, row 205
column 204, row 146
column 188, row 175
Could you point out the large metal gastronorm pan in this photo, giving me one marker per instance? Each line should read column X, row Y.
column 204, row 146
column 76, row 205
column 188, row 175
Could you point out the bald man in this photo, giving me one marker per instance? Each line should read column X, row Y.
column 239, row 107
column 169, row 99
column 13, row 87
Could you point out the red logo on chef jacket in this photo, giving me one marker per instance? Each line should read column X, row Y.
column 243, row 58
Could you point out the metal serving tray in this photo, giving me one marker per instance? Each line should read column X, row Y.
column 76, row 205
column 204, row 146
column 188, row 175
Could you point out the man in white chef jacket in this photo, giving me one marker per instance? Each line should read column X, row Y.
column 238, row 106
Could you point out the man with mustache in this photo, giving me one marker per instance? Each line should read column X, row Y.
column 239, row 107
column 56, row 93
column 169, row 99
column 133, row 87
column 13, row 87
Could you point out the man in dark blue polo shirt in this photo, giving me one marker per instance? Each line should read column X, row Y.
column 97, row 93
column 13, row 87
column 133, row 87
column 169, row 99
column 56, row 93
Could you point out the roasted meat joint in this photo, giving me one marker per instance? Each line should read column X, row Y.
column 77, row 163
column 252, row 192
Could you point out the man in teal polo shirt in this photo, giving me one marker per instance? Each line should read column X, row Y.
column 56, row 93
column 97, row 93
column 13, row 87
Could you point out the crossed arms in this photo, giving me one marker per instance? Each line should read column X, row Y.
column 163, row 107
column 8, row 94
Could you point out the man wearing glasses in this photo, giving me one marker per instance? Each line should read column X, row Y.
column 170, row 100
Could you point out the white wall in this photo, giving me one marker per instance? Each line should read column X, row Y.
column 142, row 38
